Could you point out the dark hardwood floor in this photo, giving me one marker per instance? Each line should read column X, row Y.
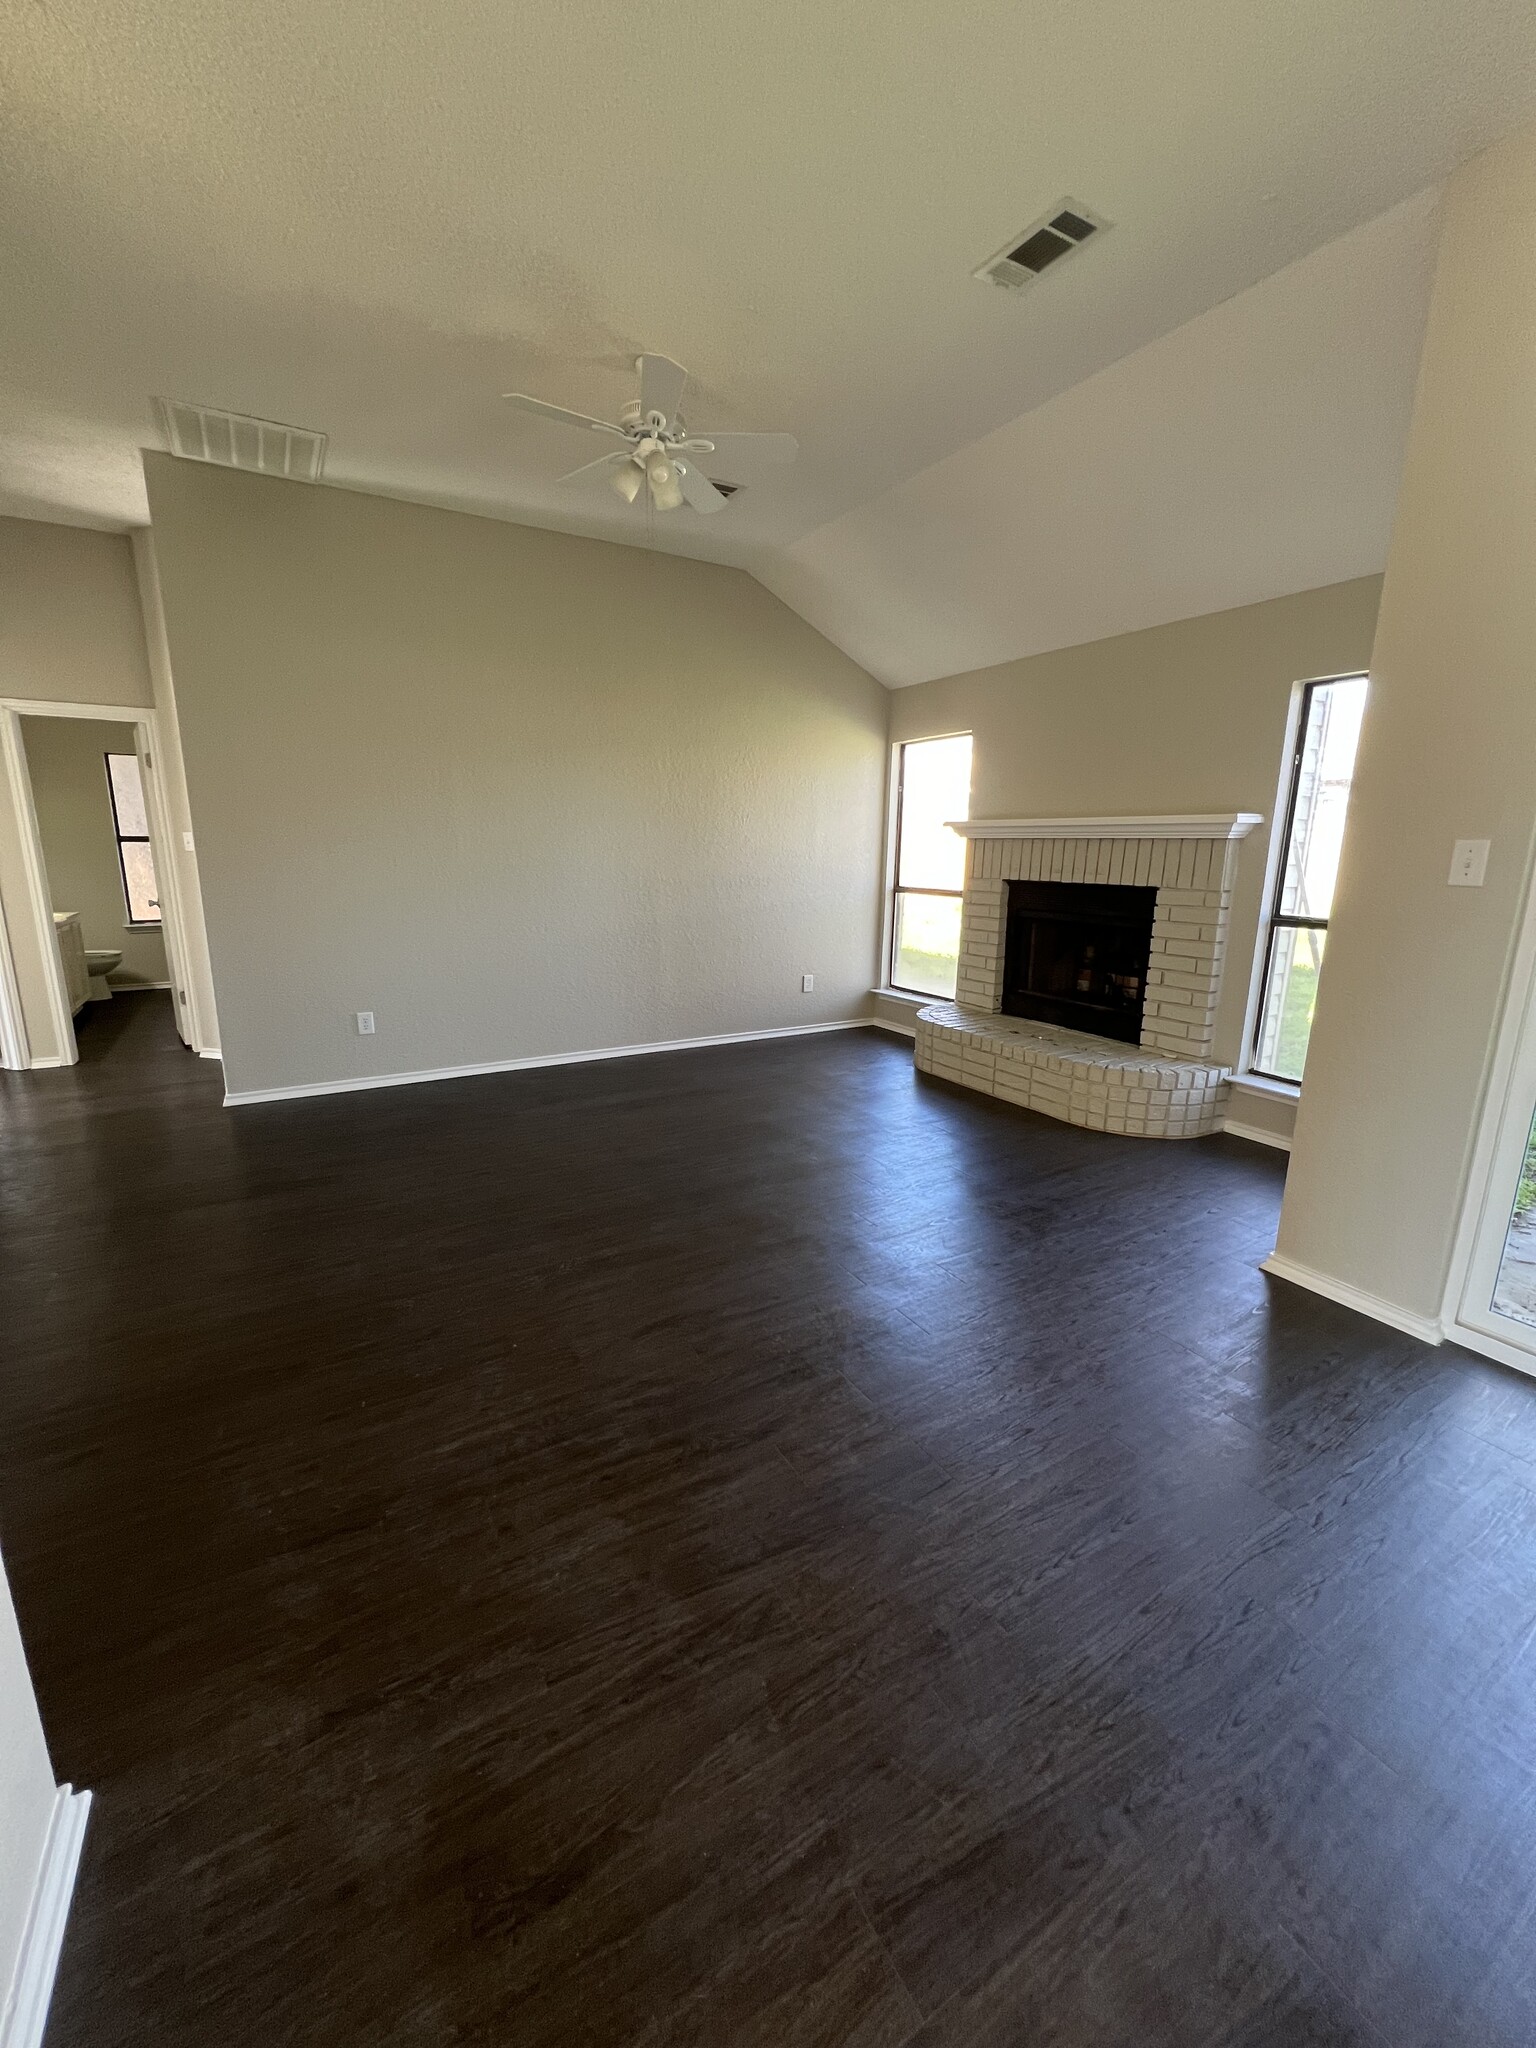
column 744, row 1547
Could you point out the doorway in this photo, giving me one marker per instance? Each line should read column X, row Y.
column 93, row 908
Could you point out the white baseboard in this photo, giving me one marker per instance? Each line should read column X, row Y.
column 50, row 1059
column 209, row 1052
column 1256, row 1135
column 549, row 1059
column 26, row 2010
column 1488, row 1346
column 889, row 1024
column 1427, row 1329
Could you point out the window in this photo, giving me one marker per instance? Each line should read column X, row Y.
column 1322, row 769
column 933, row 784
column 131, row 823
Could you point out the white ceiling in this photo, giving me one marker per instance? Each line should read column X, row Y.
column 371, row 221
column 1252, row 452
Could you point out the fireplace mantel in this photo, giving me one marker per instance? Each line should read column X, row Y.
column 1207, row 825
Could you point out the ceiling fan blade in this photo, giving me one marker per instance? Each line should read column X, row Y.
column 591, row 468
column 745, row 448
column 697, row 488
column 558, row 412
column 661, row 386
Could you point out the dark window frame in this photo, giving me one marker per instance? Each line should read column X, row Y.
column 134, row 924
column 1278, row 920
column 900, row 888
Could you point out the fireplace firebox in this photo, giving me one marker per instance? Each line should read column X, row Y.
column 1076, row 954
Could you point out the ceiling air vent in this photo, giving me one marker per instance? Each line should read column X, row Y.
column 203, row 433
column 1025, row 256
column 726, row 490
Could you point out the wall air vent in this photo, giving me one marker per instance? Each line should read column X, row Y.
column 202, row 433
column 1057, row 235
column 726, row 490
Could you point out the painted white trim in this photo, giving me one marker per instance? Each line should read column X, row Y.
column 48, row 1059
column 1262, row 1084
column 1256, row 1134
column 904, row 995
column 210, row 1052
column 15, row 1051
column 196, row 1010
column 545, row 1059
column 892, row 850
column 35, row 877
column 1488, row 1346
column 889, row 1024
column 45, row 707
column 1273, row 855
column 26, row 2009
column 1427, row 1329
column 1205, row 825
column 888, row 869
column 151, row 753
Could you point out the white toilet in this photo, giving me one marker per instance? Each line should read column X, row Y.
column 100, row 962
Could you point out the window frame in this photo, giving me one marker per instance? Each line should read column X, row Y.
column 1277, row 920
column 122, row 838
column 898, row 888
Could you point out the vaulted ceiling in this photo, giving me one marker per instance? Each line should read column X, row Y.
column 372, row 221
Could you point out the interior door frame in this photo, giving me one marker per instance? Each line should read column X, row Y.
column 1488, row 1196
column 15, row 1046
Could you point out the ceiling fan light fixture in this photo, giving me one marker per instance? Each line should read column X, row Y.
column 658, row 451
column 666, row 487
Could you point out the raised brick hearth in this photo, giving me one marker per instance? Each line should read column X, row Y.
column 1169, row 1087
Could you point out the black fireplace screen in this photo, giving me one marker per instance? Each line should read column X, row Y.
column 1077, row 955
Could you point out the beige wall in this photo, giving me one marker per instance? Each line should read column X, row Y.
column 1254, row 1112
column 70, row 628
column 74, row 817
column 516, row 793
column 1411, row 987
column 26, row 1791
column 1183, row 718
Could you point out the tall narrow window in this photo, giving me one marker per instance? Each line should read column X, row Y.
column 1322, row 770
column 131, row 822
column 933, row 784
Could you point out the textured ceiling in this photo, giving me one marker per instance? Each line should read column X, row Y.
column 1252, row 452
column 372, row 220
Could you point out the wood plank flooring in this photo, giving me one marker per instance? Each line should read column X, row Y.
column 744, row 1547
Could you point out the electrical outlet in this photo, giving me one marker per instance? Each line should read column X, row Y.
column 365, row 1023
column 186, row 840
column 807, row 984
column 1469, row 863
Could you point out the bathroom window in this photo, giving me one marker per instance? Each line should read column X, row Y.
column 130, row 821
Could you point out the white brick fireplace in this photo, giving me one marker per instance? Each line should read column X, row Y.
column 1168, row 1086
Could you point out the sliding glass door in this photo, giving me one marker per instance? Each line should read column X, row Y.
column 1498, row 1299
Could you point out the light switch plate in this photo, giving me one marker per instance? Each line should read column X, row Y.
column 1469, row 863
column 365, row 1023
column 807, row 984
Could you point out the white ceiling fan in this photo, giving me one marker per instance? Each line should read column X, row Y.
column 658, row 451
